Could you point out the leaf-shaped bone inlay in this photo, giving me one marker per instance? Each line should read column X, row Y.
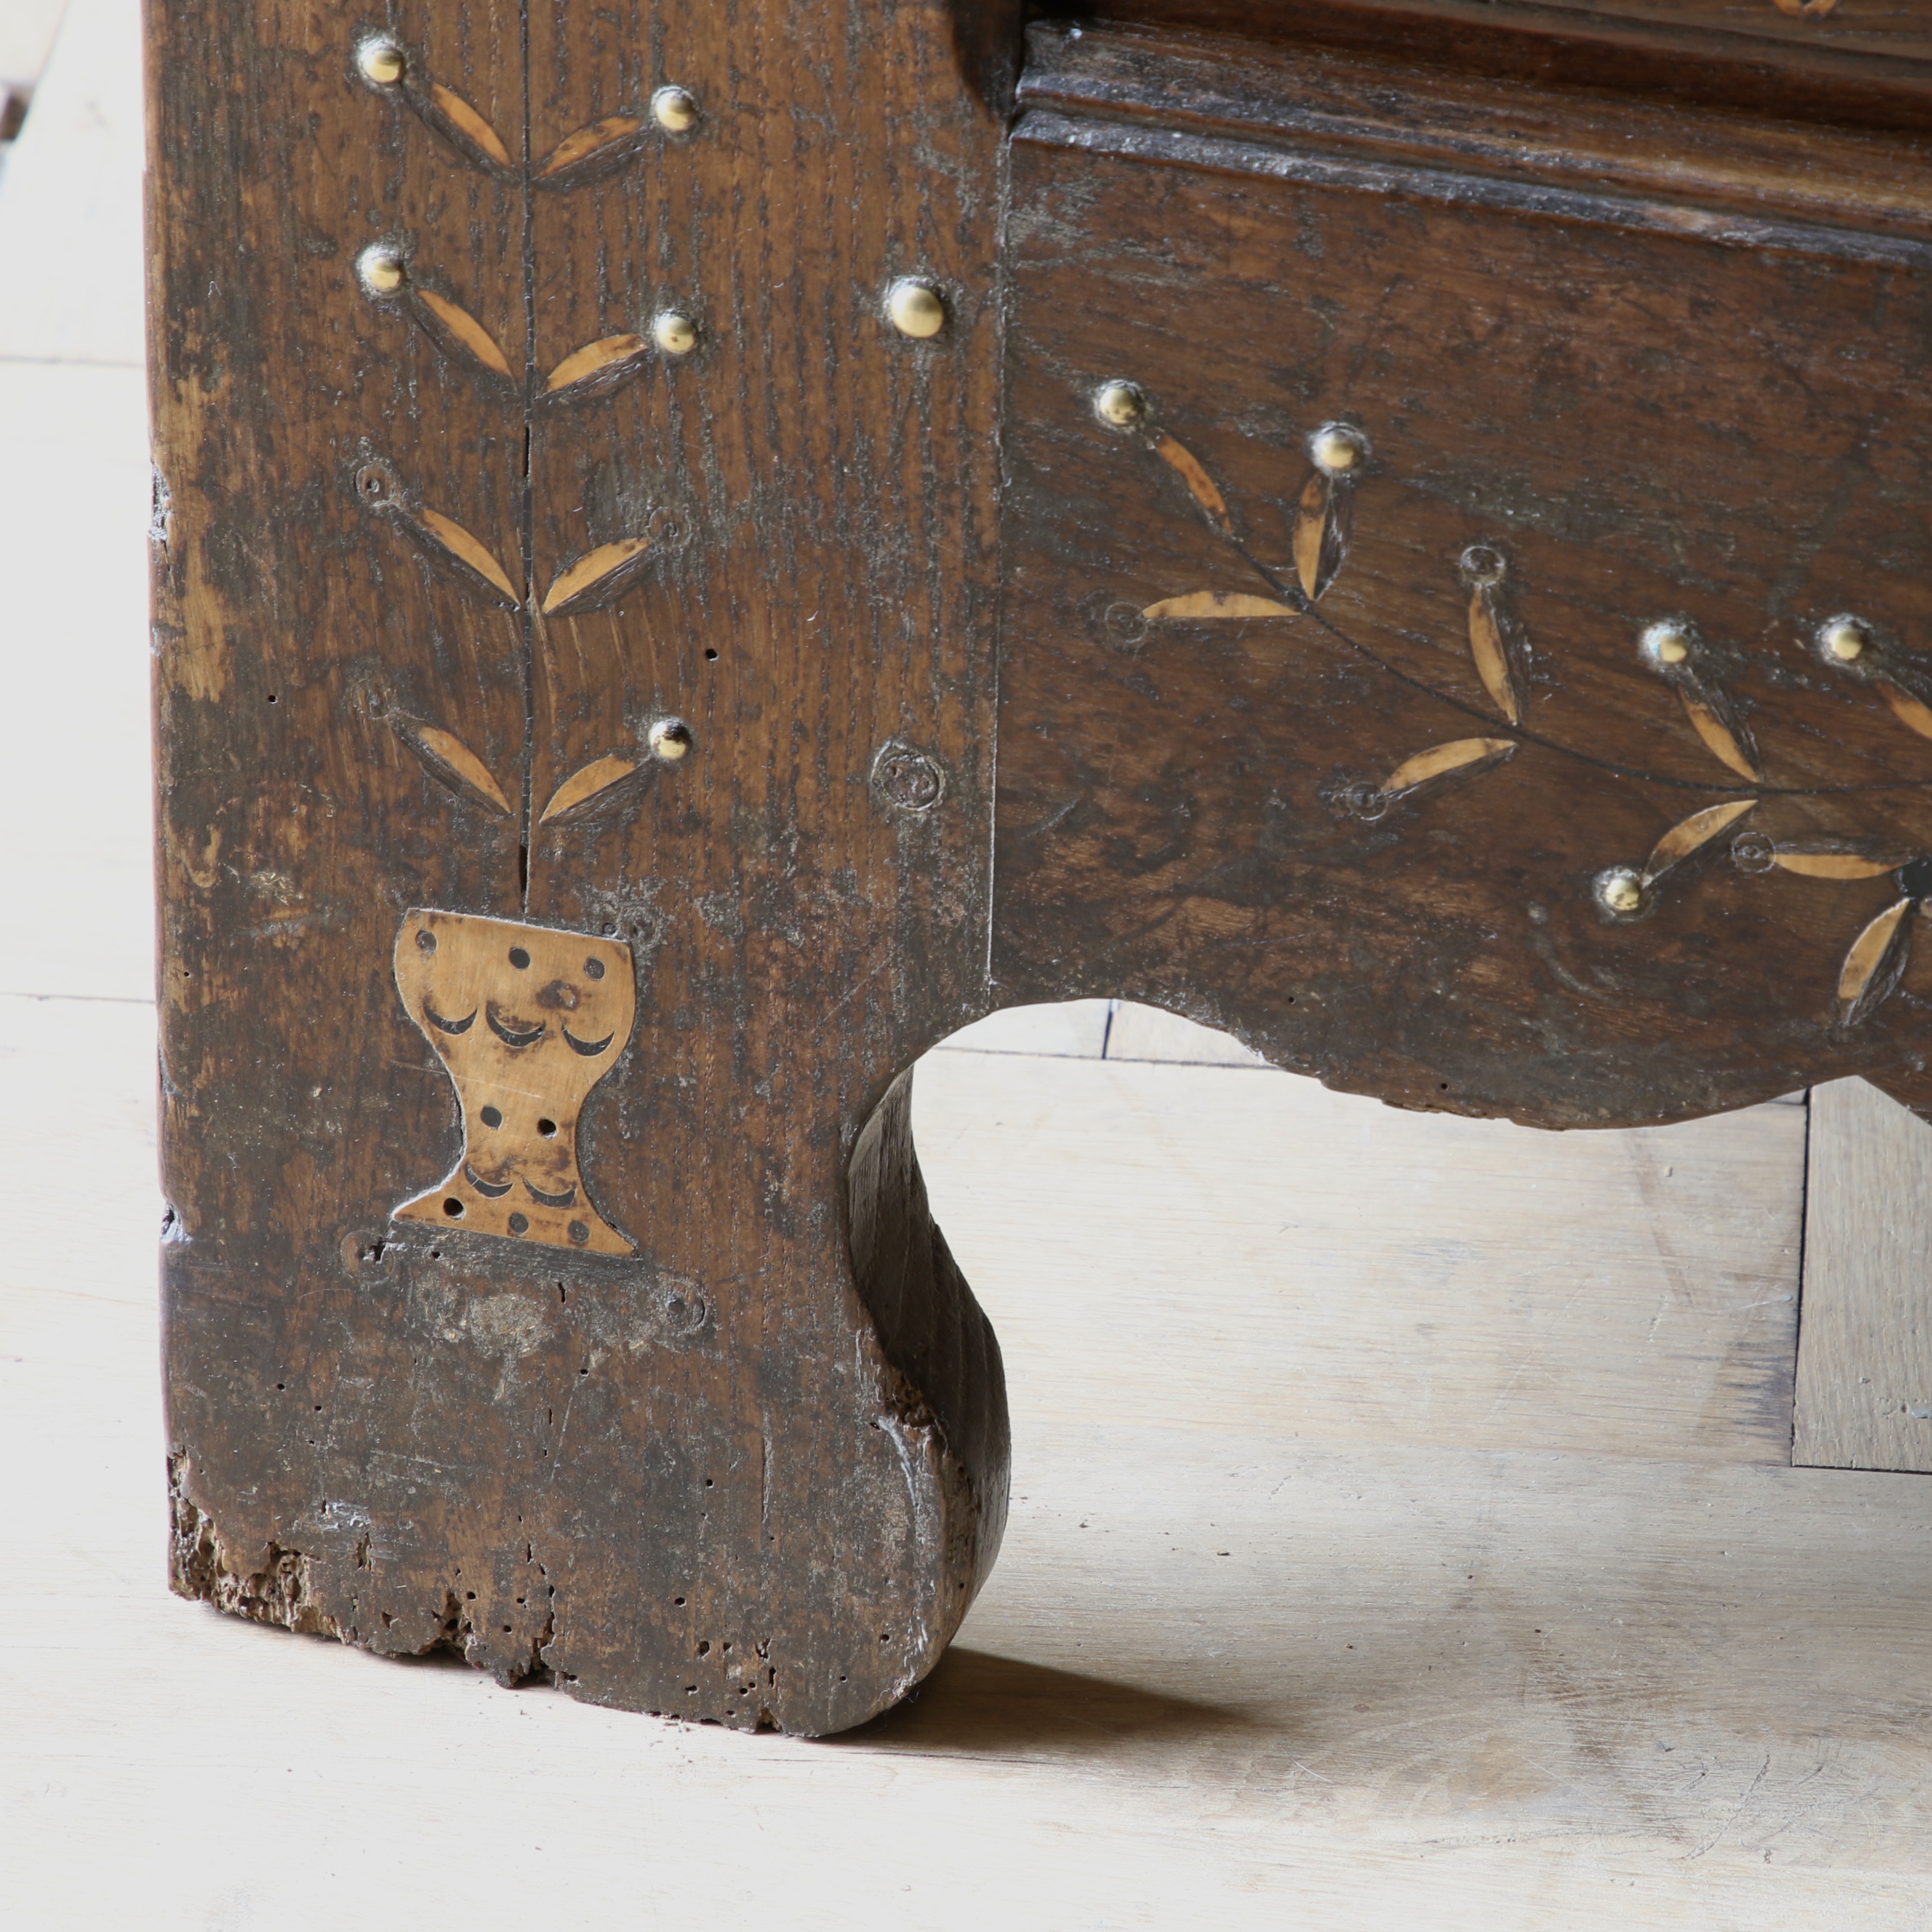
column 452, row 762
column 1497, row 647
column 598, row 364
column 591, row 788
column 1715, row 720
column 1876, row 963
column 447, row 540
column 463, row 328
column 1468, row 755
column 1691, row 835
column 1907, row 709
column 1835, row 862
column 1324, row 519
column 1200, row 485
column 597, row 580
column 468, row 127
column 1217, row 604
column 603, row 144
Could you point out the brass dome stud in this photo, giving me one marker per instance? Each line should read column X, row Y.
column 915, row 309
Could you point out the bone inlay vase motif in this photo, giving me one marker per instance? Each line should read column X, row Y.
column 527, row 1020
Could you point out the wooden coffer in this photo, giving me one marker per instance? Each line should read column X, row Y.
column 698, row 550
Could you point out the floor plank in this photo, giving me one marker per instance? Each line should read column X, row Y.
column 1147, row 1033
column 1072, row 1029
column 1256, row 1253
column 74, row 498
column 70, row 278
column 1864, row 1357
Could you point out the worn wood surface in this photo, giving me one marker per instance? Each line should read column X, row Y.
column 1213, row 1764
column 563, row 562
column 1382, row 838
column 1865, row 1363
column 420, row 602
column 1386, row 108
column 1861, row 62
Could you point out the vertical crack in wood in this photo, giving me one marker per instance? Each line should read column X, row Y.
column 528, row 494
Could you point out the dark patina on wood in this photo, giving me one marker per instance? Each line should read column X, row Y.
column 1463, row 569
column 1527, row 775
column 485, row 592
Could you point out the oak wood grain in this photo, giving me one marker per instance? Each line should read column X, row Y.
column 1390, row 106
column 1862, row 65
column 1427, row 669
column 408, row 598
column 1671, row 448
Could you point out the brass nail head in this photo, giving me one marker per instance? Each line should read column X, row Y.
column 1336, row 449
column 674, row 110
column 670, row 739
column 915, row 309
column 1622, row 891
column 381, row 269
column 1668, row 642
column 381, row 61
column 675, row 334
column 1120, row 405
column 1845, row 639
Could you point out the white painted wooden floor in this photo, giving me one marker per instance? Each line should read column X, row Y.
column 1404, row 1534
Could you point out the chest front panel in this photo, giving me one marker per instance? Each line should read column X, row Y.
column 1466, row 632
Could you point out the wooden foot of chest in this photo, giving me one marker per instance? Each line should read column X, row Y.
column 695, row 555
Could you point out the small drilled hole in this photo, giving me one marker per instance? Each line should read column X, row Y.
column 519, row 958
column 520, row 1224
column 493, row 1117
column 711, row 656
column 453, row 1208
column 593, row 969
column 548, row 1129
column 426, row 941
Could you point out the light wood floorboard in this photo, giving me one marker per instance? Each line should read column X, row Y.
column 1255, row 1253
column 1865, row 1362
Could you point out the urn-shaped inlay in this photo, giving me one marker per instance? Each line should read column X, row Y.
column 527, row 1019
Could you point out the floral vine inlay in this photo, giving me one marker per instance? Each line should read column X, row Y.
column 1671, row 647
column 525, row 1019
